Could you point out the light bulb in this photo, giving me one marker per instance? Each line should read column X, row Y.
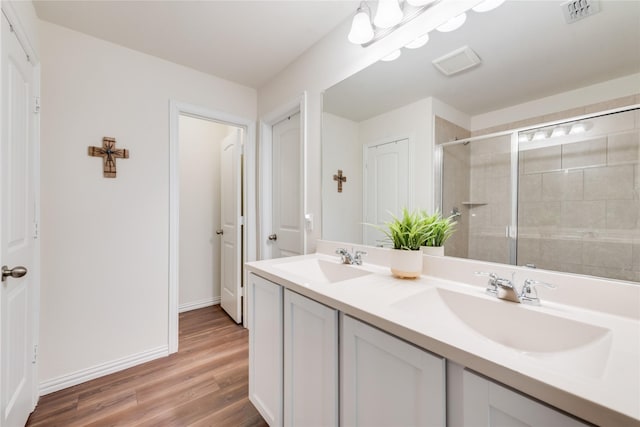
column 559, row 131
column 392, row 56
column 388, row 14
column 453, row 23
column 487, row 5
column 540, row 135
column 419, row 42
column 577, row 128
column 419, row 3
column 361, row 30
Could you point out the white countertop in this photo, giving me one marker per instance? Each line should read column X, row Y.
column 599, row 383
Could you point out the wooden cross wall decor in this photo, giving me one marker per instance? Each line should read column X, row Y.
column 109, row 154
column 340, row 180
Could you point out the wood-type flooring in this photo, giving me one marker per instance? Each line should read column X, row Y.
column 204, row 384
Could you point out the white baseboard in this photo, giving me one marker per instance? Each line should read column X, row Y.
column 64, row 381
column 198, row 304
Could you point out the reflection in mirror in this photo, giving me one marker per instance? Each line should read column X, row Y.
column 578, row 197
column 527, row 77
column 476, row 184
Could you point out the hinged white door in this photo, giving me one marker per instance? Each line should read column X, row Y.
column 287, row 236
column 388, row 382
column 310, row 362
column 386, row 186
column 231, row 225
column 487, row 404
column 17, row 294
column 265, row 348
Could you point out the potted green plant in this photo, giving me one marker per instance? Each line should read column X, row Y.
column 407, row 234
column 437, row 230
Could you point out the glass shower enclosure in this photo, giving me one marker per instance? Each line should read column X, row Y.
column 562, row 196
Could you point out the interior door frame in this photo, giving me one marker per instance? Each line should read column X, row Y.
column 177, row 108
column 25, row 41
column 265, row 190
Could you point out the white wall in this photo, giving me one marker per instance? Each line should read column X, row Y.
column 341, row 149
column 330, row 61
column 611, row 89
column 411, row 121
column 199, row 264
column 105, row 244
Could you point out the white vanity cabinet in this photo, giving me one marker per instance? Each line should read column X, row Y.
column 265, row 348
column 310, row 362
column 388, row 382
column 486, row 403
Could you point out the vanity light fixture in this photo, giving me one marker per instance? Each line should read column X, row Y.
column 559, row 131
column 361, row 29
column 388, row 14
column 392, row 56
column 419, row 3
column 453, row 23
column 419, row 42
column 487, row 5
column 540, row 135
column 577, row 128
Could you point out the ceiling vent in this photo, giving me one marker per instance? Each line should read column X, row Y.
column 457, row 61
column 576, row 10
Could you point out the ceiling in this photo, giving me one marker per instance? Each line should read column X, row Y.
column 527, row 49
column 248, row 42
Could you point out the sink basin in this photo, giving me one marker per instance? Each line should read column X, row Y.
column 315, row 270
column 509, row 324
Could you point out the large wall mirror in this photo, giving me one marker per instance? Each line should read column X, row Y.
column 515, row 146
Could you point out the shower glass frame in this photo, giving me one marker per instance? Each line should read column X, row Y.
column 511, row 231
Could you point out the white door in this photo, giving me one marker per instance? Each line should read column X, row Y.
column 310, row 362
column 231, row 225
column 17, row 295
column 265, row 348
column 487, row 404
column 386, row 186
column 287, row 236
column 386, row 381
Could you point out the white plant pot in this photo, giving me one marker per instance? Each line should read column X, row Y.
column 433, row 250
column 406, row 264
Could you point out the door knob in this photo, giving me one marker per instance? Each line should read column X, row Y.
column 273, row 237
column 219, row 232
column 15, row 272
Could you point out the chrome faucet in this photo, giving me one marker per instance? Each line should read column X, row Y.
column 505, row 289
column 348, row 258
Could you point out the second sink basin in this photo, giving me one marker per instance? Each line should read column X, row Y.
column 509, row 324
column 321, row 271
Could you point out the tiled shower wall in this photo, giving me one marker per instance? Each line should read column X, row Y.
column 579, row 207
column 455, row 174
column 489, row 202
column 579, row 203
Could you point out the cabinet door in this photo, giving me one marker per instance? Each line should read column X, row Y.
column 310, row 362
column 265, row 348
column 388, row 382
column 489, row 404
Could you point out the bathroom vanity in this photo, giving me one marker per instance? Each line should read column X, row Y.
column 333, row 344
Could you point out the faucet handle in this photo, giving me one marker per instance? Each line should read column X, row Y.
column 529, row 293
column 357, row 257
column 492, row 285
column 493, row 276
column 345, row 256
